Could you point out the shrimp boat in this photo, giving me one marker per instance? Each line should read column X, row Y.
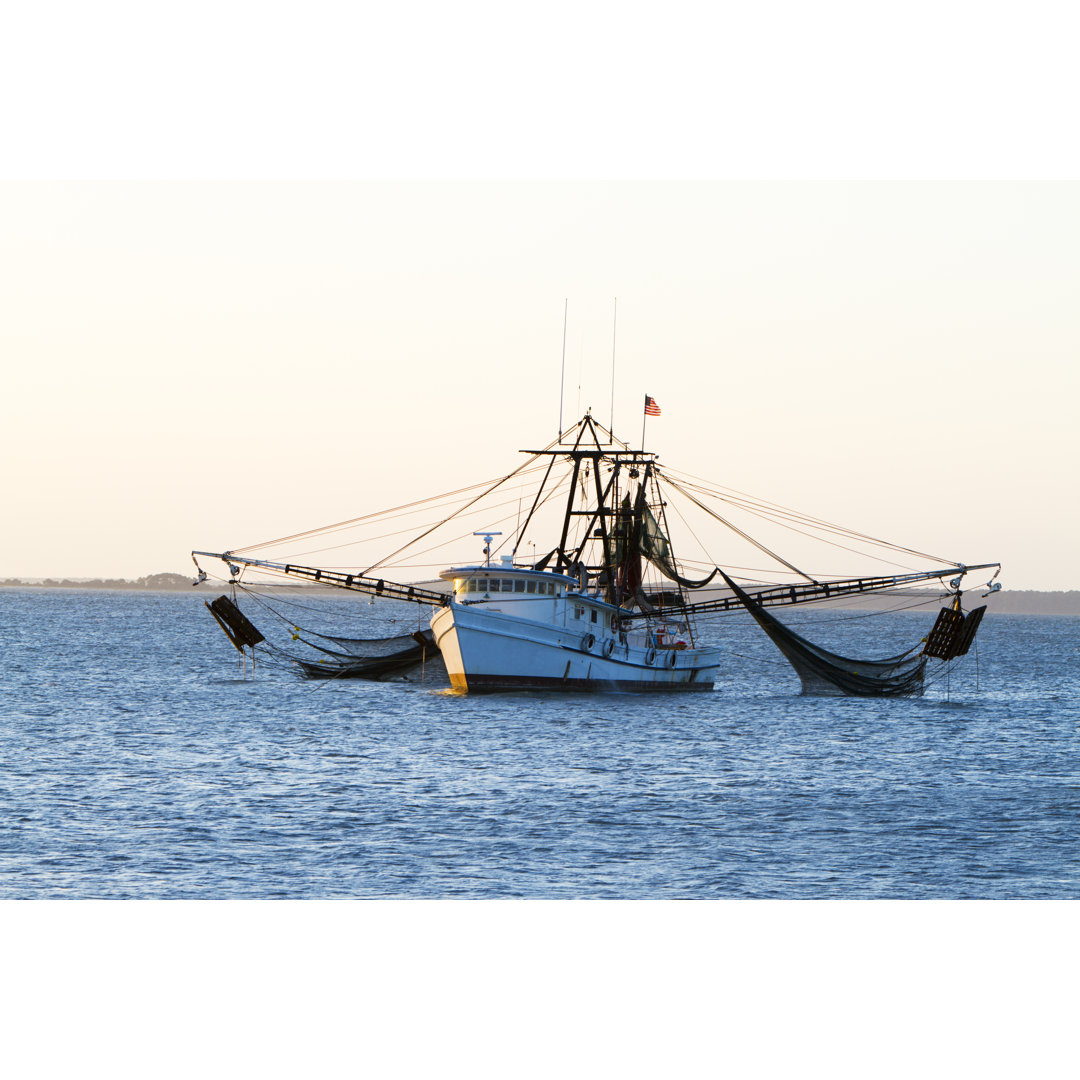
column 608, row 607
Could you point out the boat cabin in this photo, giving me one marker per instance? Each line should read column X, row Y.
column 473, row 583
column 531, row 594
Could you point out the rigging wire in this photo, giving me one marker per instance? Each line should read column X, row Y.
column 462, row 510
column 842, row 547
column 736, row 529
column 690, row 530
column 377, row 514
column 427, row 532
column 777, row 514
column 344, row 615
column 461, row 536
column 385, row 536
column 780, row 516
column 765, row 508
column 897, row 609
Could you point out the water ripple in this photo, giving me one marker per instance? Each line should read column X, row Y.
column 134, row 763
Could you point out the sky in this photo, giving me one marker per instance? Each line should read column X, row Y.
column 211, row 364
column 281, row 294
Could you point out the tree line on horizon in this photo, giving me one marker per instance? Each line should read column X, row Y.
column 151, row 581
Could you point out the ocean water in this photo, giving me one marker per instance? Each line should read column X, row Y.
column 138, row 761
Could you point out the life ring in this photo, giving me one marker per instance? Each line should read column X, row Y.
column 609, row 646
column 650, row 656
column 587, row 642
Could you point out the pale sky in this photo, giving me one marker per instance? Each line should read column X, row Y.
column 199, row 353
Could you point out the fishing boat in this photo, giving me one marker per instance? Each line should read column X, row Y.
column 609, row 606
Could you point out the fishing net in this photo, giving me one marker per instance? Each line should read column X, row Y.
column 825, row 673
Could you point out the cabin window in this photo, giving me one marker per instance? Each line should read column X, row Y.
column 470, row 586
column 494, row 585
column 579, row 611
column 593, row 613
column 508, row 585
column 531, row 586
column 519, row 585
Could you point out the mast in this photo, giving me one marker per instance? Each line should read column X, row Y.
column 561, row 560
column 605, row 522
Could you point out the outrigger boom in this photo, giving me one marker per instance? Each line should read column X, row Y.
column 807, row 592
column 389, row 590
column 773, row 596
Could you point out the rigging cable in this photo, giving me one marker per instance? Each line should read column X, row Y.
column 376, row 514
column 381, row 536
column 462, row 510
column 461, row 536
column 765, row 508
column 735, row 528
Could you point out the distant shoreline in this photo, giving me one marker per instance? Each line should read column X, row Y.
column 153, row 582
column 1015, row 602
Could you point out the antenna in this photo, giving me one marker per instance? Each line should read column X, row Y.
column 488, row 537
column 562, row 375
column 580, row 368
column 614, row 323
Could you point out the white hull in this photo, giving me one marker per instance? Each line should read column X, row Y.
column 490, row 650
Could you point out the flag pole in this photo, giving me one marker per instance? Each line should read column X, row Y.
column 651, row 409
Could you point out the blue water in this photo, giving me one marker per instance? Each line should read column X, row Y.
column 136, row 761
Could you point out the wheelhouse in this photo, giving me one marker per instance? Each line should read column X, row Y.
column 506, row 581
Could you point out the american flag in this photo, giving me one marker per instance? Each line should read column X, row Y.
column 651, row 408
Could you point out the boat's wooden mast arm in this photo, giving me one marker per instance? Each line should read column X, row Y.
column 561, row 558
column 390, row 590
column 600, row 514
column 806, row 592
